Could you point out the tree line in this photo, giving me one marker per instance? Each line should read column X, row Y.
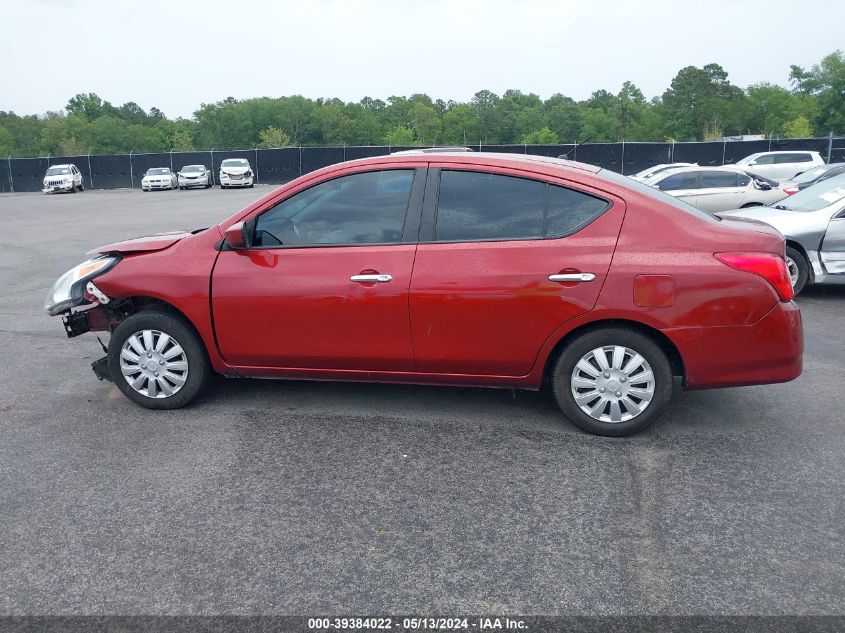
column 699, row 104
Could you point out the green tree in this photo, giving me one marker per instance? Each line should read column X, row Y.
column 400, row 135
column 274, row 137
column 7, row 142
column 180, row 141
column 799, row 127
column 701, row 100
column 826, row 82
column 425, row 123
column 541, row 137
column 461, row 126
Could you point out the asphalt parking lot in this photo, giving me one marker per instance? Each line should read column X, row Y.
column 312, row 498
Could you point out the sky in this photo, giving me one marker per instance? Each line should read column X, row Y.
column 177, row 54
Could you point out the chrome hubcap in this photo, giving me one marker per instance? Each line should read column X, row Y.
column 792, row 267
column 612, row 384
column 154, row 364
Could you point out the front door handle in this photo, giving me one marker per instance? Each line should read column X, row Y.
column 572, row 277
column 381, row 279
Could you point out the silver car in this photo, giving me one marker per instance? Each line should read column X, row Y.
column 813, row 223
column 715, row 189
column 194, row 176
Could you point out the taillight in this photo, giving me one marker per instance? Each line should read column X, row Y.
column 770, row 267
column 790, row 190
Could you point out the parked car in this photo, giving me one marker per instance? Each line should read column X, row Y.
column 236, row 172
column 62, row 178
column 812, row 176
column 781, row 165
column 813, row 223
column 194, row 176
column 658, row 169
column 498, row 270
column 714, row 189
column 158, row 178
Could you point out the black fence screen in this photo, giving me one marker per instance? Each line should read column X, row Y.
column 275, row 166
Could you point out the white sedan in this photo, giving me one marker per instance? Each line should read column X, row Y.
column 194, row 176
column 236, row 172
column 158, row 178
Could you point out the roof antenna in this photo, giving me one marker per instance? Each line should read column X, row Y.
column 574, row 147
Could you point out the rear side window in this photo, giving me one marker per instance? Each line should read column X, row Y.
column 570, row 210
column 765, row 160
column 687, row 180
column 793, row 158
column 716, row 179
column 476, row 206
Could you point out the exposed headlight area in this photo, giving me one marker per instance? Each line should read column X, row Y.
column 68, row 291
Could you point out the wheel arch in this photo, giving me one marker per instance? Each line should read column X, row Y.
column 811, row 277
column 676, row 362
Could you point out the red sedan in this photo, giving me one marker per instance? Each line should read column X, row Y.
column 479, row 269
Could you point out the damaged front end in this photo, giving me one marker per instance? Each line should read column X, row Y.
column 76, row 289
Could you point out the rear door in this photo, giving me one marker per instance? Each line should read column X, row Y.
column 789, row 165
column 504, row 259
column 683, row 185
column 722, row 190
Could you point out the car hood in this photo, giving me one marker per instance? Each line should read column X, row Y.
column 235, row 171
column 157, row 242
column 791, row 224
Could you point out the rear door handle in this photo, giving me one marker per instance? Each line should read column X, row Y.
column 572, row 277
column 381, row 279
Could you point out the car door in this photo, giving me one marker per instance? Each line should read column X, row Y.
column 721, row 190
column 683, row 185
column 504, row 259
column 833, row 246
column 324, row 284
column 763, row 165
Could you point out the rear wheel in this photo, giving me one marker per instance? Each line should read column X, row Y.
column 799, row 269
column 158, row 360
column 612, row 382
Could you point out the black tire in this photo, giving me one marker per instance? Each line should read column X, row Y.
column 82, row 186
column 176, row 327
column 643, row 345
column 251, row 185
column 73, row 187
column 803, row 268
column 751, row 204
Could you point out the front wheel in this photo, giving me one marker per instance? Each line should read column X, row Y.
column 82, row 186
column 157, row 360
column 612, row 382
column 799, row 269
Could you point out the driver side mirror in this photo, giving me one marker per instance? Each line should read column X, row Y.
column 762, row 186
column 752, row 163
column 237, row 236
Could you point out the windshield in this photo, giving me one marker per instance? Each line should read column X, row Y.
column 193, row 168
column 234, row 162
column 817, row 197
column 811, row 174
column 656, row 194
column 158, row 171
column 58, row 171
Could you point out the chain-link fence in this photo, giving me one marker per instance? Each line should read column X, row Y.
column 276, row 166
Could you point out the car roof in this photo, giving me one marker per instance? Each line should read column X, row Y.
column 162, row 167
column 62, row 165
column 530, row 161
column 785, row 151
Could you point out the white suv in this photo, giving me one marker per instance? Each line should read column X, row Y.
column 781, row 165
column 62, row 178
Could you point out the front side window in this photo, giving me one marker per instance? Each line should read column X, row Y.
column 718, row 179
column 676, row 182
column 365, row 208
